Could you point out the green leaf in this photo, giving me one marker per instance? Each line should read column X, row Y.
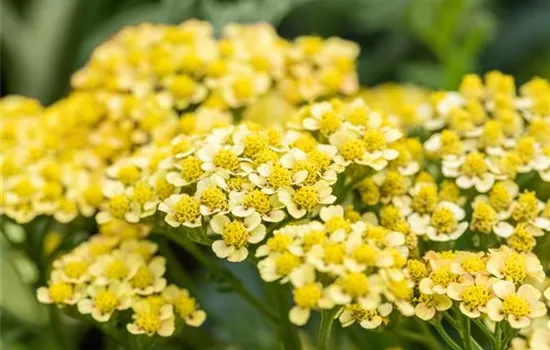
column 16, row 296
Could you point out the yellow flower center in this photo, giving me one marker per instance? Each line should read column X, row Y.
column 119, row 205
column 540, row 130
column 515, row 268
column 370, row 194
column 329, row 123
column 499, row 197
column 474, row 265
column 24, row 187
column 377, row 234
column 522, row 241
column 183, row 87
column 417, row 269
column 186, row 209
column 148, row 321
column 52, row 191
column 358, row 116
column 306, row 197
column 360, row 314
column 142, row 193
column 484, row 218
column 191, row 168
column 185, row 306
column 307, row 296
column 264, row 156
column 428, row 300
column 311, row 169
column 60, row 291
column 474, row 296
column 515, row 305
column 258, row 200
column 286, row 262
column 93, row 195
column 163, row 188
column 355, row 284
column 443, row 276
column 492, row 133
column 214, row 198
column 227, row 160
column 279, row 243
column 76, row 269
column 352, row 149
column 320, row 159
column 306, row 143
column 474, row 165
column 425, row 200
column 525, row 149
column 312, row 238
column 444, row 220
column 106, row 301
column 450, row 143
column 116, row 270
column 401, row 289
column 334, row 253
column 364, row 254
column 243, row 88
column 279, row 177
column 374, row 140
column 337, row 223
column 143, row 278
column 182, row 146
column 128, row 174
column 235, row 234
column 527, row 207
column 449, row 191
column 332, row 79
column 395, row 184
column 253, row 144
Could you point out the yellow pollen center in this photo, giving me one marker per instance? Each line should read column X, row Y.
column 515, row 305
column 142, row 193
column 450, row 143
column 484, row 218
column 474, row 165
column 515, row 268
column 235, row 234
column 279, row 243
column 337, row 223
column 355, row 284
column 116, row 270
column 329, row 123
column 60, row 292
column 75, row 269
column 352, row 149
column 163, row 188
column 106, row 301
column 364, row 254
column 253, row 144
column 143, row 278
column 474, row 265
column 191, row 168
column 499, row 197
column 334, row 253
column 186, row 209
column 306, row 197
column 286, row 262
column 243, row 88
column 227, row 160
column 128, row 174
column 374, row 140
column 443, row 220
column 119, row 205
column 443, row 276
column 148, row 321
column 474, row 296
column 425, row 200
column 279, row 177
column 214, row 198
column 527, row 207
column 258, row 200
column 313, row 238
column 185, row 306
column 307, row 296
column 417, row 269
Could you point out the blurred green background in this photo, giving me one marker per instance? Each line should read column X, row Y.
column 430, row 42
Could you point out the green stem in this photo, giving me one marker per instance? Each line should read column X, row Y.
column 488, row 334
column 57, row 328
column 327, row 319
column 288, row 333
column 430, row 338
column 222, row 273
column 466, row 333
column 498, row 335
column 445, row 336
column 418, row 338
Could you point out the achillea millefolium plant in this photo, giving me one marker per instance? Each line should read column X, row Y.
column 420, row 213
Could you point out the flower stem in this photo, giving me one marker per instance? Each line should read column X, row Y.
column 446, row 337
column 488, row 334
column 223, row 274
column 327, row 318
column 466, row 333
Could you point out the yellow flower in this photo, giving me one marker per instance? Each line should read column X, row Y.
column 103, row 301
column 236, row 235
column 184, row 305
column 150, row 319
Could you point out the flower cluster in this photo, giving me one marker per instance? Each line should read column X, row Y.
column 105, row 276
column 185, row 65
column 340, row 260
